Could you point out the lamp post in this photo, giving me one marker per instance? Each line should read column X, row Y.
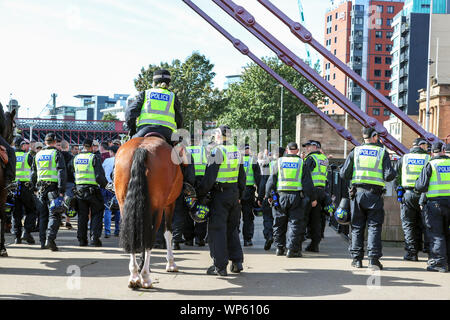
column 427, row 113
column 281, row 116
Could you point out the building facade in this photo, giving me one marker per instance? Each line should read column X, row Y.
column 91, row 106
column 359, row 33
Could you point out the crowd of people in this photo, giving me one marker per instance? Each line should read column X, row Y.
column 31, row 201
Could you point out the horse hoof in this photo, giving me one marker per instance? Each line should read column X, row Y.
column 147, row 285
column 134, row 284
column 171, row 268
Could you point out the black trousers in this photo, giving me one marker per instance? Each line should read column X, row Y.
column 437, row 221
column 289, row 222
column 267, row 220
column 92, row 203
column 316, row 216
column 223, row 227
column 247, row 202
column 49, row 221
column 24, row 206
column 412, row 223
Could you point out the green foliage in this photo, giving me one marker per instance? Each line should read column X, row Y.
column 109, row 117
column 255, row 102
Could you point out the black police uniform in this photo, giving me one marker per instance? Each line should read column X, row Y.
column 266, row 208
column 134, row 110
column 437, row 222
column 315, row 217
column 367, row 206
column 225, row 211
column 411, row 214
column 49, row 221
column 289, row 223
column 89, row 199
column 248, row 202
column 24, row 204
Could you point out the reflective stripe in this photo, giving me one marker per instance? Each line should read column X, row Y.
column 410, row 171
column 46, row 165
column 289, row 179
column 161, row 122
column 229, row 168
column 199, row 156
column 368, row 165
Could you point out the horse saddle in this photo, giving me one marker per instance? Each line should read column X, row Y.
column 3, row 155
column 155, row 134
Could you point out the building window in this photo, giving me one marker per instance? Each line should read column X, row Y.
column 388, row 60
column 334, row 51
column 377, row 60
column 335, row 39
column 334, row 76
column 356, row 97
column 377, row 73
column 377, row 85
column 335, row 28
column 387, row 73
column 388, row 22
column 387, row 86
column 388, row 34
column 379, row 8
column 390, row 9
column 358, row 8
column 378, row 34
column 389, row 47
column 379, row 21
column 336, row 16
column 378, row 47
column 358, row 20
column 425, row 6
column 386, row 112
column 358, row 71
column 376, row 111
column 359, row 33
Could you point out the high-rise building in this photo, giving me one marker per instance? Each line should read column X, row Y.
column 91, row 106
column 359, row 33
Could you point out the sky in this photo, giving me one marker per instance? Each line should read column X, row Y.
column 98, row 47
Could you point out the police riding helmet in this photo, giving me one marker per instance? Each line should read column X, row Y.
column 342, row 214
column 57, row 205
column 161, row 75
column 200, row 213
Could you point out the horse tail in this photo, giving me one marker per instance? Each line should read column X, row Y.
column 136, row 226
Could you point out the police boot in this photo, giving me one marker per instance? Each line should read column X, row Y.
column 28, row 238
column 176, row 245
column 410, row 256
column 248, row 243
column 236, row 267
column 280, row 251
column 51, row 245
column 293, row 254
column 3, row 252
column 189, row 242
column 357, row 263
column 268, row 244
column 213, row 271
column 312, row 247
column 96, row 243
column 437, row 268
column 18, row 240
column 375, row 264
column 200, row 243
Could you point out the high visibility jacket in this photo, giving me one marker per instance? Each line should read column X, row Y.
column 23, row 169
column 273, row 165
column 368, row 165
column 199, row 156
column 158, row 109
column 440, row 178
column 229, row 168
column 290, row 171
column 46, row 165
column 84, row 169
column 319, row 174
column 248, row 166
column 412, row 165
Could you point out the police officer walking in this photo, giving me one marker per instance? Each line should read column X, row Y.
column 253, row 177
column 193, row 229
column 434, row 180
column 408, row 170
column 225, row 178
column 48, row 174
column 89, row 178
column 295, row 188
column 316, row 163
column 369, row 168
column 24, row 203
column 155, row 110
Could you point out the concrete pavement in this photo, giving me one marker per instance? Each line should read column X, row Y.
column 32, row 273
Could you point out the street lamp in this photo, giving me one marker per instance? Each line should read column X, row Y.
column 281, row 115
column 427, row 113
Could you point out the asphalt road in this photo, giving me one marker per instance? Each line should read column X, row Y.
column 102, row 273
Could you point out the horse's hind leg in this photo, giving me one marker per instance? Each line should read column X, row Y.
column 145, row 273
column 170, row 266
column 135, row 280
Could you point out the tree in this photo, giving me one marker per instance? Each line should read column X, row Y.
column 110, row 117
column 192, row 83
column 254, row 103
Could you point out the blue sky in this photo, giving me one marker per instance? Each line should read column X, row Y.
column 99, row 46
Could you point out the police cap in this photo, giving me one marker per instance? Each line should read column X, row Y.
column 447, row 147
column 419, row 141
column 369, row 133
column 437, row 147
column 161, row 75
column 50, row 137
column 292, row 146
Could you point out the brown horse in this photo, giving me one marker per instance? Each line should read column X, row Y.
column 147, row 183
column 7, row 132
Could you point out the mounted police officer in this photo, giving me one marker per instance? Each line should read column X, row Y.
column 24, row 203
column 253, row 178
column 266, row 171
column 225, row 178
column 369, row 168
column 434, row 180
column 408, row 169
column 155, row 110
column 295, row 187
column 316, row 163
column 89, row 178
column 48, row 174
column 193, row 229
